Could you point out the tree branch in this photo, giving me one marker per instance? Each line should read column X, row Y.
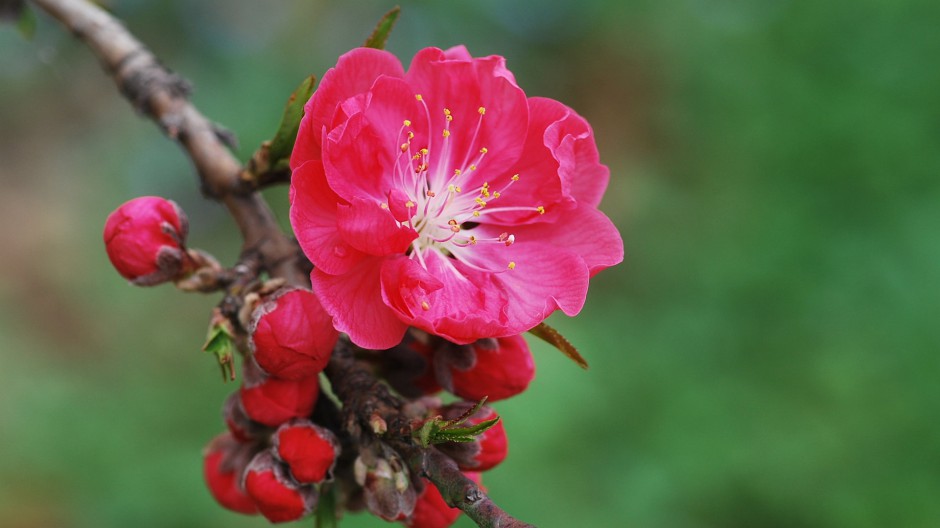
column 162, row 96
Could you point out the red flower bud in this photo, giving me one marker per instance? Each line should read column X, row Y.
column 310, row 451
column 292, row 336
column 272, row 401
column 144, row 239
column 224, row 460
column 487, row 451
column 498, row 372
column 432, row 511
column 239, row 424
column 278, row 496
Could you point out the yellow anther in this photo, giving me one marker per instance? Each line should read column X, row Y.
column 457, row 172
column 404, row 147
column 383, row 205
column 485, row 192
column 473, row 167
column 512, row 265
column 447, row 133
column 451, row 188
column 450, row 117
column 473, row 239
column 457, row 189
column 446, row 111
column 480, row 202
column 424, row 151
column 411, row 135
column 486, row 185
column 540, row 209
column 407, row 122
column 495, row 195
column 515, row 177
column 455, row 229
column 416, row 157
column 452, row 222
column 431, row 194
column 482, row 110
column 476, row 213
column 409, row 204
column 418, row 97
column 425, row 305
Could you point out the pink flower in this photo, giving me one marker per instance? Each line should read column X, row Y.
column 144, row 239
column 443, row 198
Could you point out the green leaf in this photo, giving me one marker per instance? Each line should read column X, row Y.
column 438, row 430
column 554, row 338
column 380, row 34
column 283, row 142
column 221, row 343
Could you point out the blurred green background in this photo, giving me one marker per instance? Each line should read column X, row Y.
column 767, row 355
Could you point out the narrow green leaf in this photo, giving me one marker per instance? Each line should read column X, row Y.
column 465, row 416
column 554, row 338
column 380, row 34
column 461, row 434
column 283, row 142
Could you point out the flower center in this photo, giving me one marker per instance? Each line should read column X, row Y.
column 434, row 200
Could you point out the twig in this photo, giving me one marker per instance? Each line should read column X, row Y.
column 163, row 97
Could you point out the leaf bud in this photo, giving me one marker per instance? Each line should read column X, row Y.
column 487, row 450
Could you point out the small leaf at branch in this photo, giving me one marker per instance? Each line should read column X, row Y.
column 380, row 34
column 220, row 341
column 283, row 142
column 554, row 338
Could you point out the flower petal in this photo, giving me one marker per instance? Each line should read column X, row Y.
column 354, row 300
column 447, row 299
column 361, row 155
column 449, row 80
column 313, row 217
column 585, row 231
column 372, row 229
column 571, row 141
column 354, row 73
column 542, row 278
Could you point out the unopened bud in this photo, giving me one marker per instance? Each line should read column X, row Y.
column 272, row 401
column 310, row 451
column 278, row 496
column 497, row 372
column 378, row 424
column 292, row 336
column 224, row 461
column 145, row 238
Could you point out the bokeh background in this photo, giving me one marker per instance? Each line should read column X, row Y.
column 767, row 355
